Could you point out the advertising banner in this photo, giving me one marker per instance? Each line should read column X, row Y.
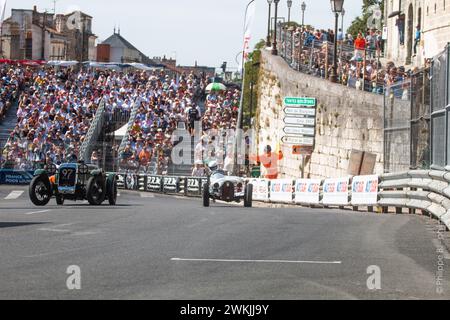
column 365, row 190
column 307, row 191
column 335, row 191
column 154, row 183
column 170, row 184
column 15, row 177
column 260, row 189
column 281, row 190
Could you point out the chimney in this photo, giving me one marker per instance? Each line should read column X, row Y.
column 35, row 8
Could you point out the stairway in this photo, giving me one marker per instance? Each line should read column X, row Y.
column 184, row 169
column 7, row 125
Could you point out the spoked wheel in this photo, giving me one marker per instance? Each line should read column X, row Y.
column 40, row 191
column 95, row 191
column 205, row 195
column 112, row 191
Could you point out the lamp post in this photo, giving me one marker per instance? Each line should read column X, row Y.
column 303, row 13
column 274, row 45
column 289, row 4
column 268, row 44
column 336, row 7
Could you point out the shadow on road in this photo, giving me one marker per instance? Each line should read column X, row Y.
column 19, row 224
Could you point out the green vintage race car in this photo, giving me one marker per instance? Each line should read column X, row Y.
column 73, row 181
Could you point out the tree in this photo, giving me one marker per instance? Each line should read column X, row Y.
column 250, row 90
column 361, row 22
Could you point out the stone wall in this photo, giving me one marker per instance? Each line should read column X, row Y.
column 347, row 120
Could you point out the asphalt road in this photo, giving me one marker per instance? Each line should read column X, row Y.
column 160, row 247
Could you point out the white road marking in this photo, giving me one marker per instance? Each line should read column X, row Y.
column 257, row 261
column 13, row 195
column 146, row 195
column 118, row 194
column 54, row 230
column 42, row 211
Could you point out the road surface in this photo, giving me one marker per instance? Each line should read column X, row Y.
column 161, row 247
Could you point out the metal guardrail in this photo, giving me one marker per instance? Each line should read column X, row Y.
column 426, row 190
column 93, row 133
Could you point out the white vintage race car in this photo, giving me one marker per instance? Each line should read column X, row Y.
column 228, row 189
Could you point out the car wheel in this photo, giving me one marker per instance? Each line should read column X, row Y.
column 95, row 191
column 206, row 195
column 248, row 196
column 40, row 191
column 112, row 191
column 59, row 200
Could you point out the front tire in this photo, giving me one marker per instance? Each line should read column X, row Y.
column 95, row 191
column 248, row 196
column 205, row 194
column 40, row 191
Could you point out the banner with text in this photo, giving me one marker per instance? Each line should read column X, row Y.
column 307, row 191
column 281, row 190
column 335, row 191
column 365, row 190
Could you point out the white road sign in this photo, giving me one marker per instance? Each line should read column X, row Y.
column 299, row 130
column 300, row 111
column 300, row 121
column 304, row 141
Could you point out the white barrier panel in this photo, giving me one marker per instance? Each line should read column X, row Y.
column 335, row 191
column 260, row 189
column 365, row 190
column 307, row 191
column 281, row 190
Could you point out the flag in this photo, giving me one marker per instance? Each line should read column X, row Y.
column 2, row 11
column 249, row 18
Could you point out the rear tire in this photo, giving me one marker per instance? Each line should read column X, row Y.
column 112, row 191
column 59, row 200
column 205, row 195
column 248, row 196
column 40, row 191
column 95, row 191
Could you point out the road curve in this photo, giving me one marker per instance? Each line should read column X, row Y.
column 161, row 247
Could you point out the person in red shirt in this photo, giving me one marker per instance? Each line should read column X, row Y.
column 360, row 47
column 270, row 161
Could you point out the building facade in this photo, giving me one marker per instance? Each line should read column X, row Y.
column 405, row 19
column 33, row 35
column 119, row 50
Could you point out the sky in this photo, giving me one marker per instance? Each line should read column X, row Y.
column 206, row 31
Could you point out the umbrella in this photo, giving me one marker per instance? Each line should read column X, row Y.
column 216, row 87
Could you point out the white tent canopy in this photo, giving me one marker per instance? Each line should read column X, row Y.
column 120, row 133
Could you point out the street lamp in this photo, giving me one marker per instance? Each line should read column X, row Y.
column 274, row 46
column 268, row 44
column 289, row 4
column 336, row 7
column 303, row 13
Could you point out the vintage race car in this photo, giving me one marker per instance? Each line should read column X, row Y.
column 73, row 181
column 228, row 189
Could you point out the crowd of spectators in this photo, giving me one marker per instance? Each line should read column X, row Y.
column 11, row 82
column 358, row 58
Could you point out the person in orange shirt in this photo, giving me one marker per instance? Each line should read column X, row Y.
column 144, row 157
column 270, row 161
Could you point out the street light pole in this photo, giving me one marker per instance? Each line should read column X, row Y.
column 289, row 4
column 274, row 46
column 336, row 7
column 303, row 13
column 268, row 44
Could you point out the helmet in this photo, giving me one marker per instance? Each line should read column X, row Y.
column 213, row 166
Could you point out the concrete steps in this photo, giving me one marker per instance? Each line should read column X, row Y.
column 8, row 123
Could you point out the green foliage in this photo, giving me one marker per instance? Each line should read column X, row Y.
column 360, row 23
column 251, row 70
